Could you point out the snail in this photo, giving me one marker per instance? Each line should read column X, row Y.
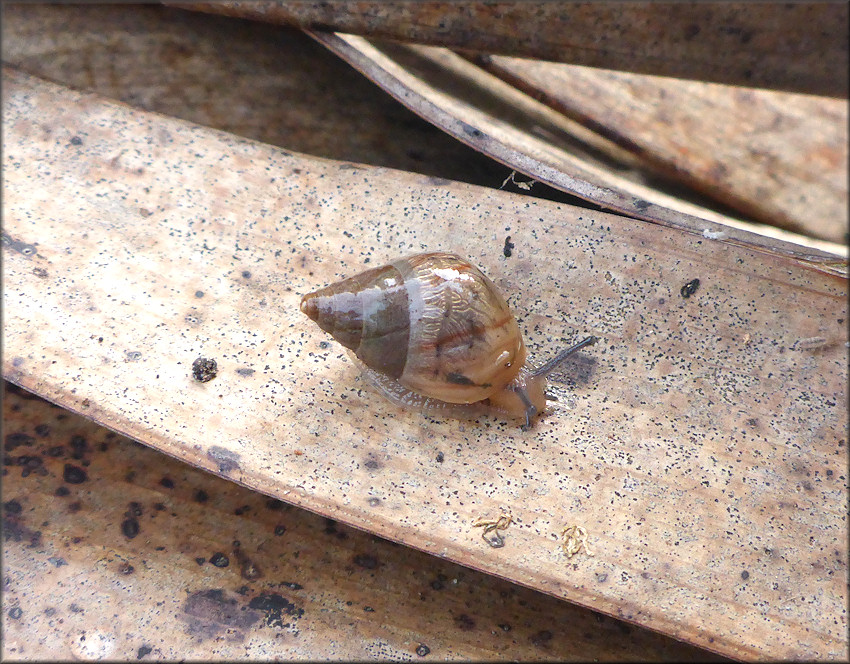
column 431, row 331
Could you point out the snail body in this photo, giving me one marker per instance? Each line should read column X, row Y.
column 431, row 331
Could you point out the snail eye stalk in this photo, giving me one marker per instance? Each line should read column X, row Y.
column 552, row 364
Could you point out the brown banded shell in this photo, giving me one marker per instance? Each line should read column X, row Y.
column 432, row 330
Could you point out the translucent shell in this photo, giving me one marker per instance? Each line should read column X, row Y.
column 430, row 329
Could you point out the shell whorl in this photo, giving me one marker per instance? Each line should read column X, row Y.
column 433, row 322
column 368, row 314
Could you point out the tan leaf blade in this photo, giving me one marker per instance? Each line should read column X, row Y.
column 430, row 82
column 701, row 443
column 777, row 157
column 219, row 560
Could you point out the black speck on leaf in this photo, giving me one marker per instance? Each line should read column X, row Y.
column 689, row 288
column 130, row 527
column 219, row 559
column 204, row 370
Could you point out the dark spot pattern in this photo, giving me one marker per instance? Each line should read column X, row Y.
column 130, row 527
column 275, row 607
column 74, row 474
column 227, row 461
column 17, row 439
column 366, row 561
column 464, row 623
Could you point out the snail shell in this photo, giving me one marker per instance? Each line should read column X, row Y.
column 433, row 332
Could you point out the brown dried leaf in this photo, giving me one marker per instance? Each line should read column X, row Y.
column 777, row 157
column 800, row 47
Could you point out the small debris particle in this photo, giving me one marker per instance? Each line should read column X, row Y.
column 76, row 140
column 508, row 249
column 200, row 560
column 520, row 185
column 574, row 540
column 713, row 235
column 126, row 568
column 16, row 613
column 494, row 526
column 167, row 482
column 689, row 288
column 204, row 370
column 219, row 559
column 143, row 651
column 279, row 530
column 74, row 474
column 440, row 457
column 745, row 575
column 130, row 527
column 422, row 650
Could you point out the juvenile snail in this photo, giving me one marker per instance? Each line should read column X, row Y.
column 430, row 331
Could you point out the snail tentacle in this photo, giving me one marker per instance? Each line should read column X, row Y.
column 548, row 367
